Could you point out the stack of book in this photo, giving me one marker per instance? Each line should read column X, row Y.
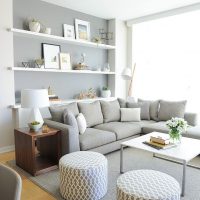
column 158, row 142
column 54, row 97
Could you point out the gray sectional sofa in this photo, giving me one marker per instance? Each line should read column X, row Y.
column 105, row 131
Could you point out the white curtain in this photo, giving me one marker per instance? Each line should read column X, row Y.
column 167, row 53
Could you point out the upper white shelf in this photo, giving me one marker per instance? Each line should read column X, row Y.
column 58, row 70
column 55, row 38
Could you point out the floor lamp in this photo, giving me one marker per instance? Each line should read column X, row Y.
column 128, row 75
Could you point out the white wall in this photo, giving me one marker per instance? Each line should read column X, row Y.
column 6, row 76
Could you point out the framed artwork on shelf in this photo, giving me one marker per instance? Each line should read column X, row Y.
column 82, row 30
column 50, row 54
column 65, row 61
column 68, row 31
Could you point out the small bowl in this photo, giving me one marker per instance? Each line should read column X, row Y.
column 35, row 128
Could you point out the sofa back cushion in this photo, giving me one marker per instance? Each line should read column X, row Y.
column 145, row 115
column 153, row 109
column 111, row 111
column 130, row 114
column 58, row 110
column 169, row 109
column 70, row 119
column 92, row 113
column 122, row 102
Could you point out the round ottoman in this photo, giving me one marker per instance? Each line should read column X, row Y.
column 83, row 176
column 147, row 184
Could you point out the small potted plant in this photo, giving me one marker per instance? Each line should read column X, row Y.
column 105, row 92
column 35, row 126
column 34, row 25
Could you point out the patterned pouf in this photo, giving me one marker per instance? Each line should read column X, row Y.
column 83, row 176
column 147, row 184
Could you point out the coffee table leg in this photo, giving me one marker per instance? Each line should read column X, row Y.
column 183, row 179
column 121, row 159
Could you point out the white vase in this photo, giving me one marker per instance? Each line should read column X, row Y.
column 34, row 26
column 105, row 93
column 47, row 31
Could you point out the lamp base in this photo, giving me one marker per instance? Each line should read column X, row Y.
column 35, row 115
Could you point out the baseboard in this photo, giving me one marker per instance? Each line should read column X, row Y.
column 7, row 149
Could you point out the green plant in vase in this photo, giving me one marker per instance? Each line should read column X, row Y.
column 176, row 127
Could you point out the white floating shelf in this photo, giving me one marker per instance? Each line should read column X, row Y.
column 59, row 70
column 60, row 39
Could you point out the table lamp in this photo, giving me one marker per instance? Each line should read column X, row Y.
column 35, row 99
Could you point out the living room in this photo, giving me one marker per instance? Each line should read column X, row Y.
column 100, row 99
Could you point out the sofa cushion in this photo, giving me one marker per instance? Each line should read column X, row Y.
column 110, row 110
column 144, row 109
column 169, row 109
column 158, row 126
column 143, row 123
column 121, row 129
column 193, row 132
column 58, row 110
column 93, row 138
column 70, row 119
column 153, row 109
column 81, row 122
column 92, row 113
column 130, row 114
column 122, row 102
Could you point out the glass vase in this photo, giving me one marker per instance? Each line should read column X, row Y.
column 175, row 136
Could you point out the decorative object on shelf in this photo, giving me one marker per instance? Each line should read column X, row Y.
column 106, row 67
column 176, row 127
column 68, row 31
column 35, row 99
column 50, row 91
column 105, row 35
column 34, row 126
column 47, row 31
column 50, row 53
column 39, row 63
column 34, row 25
column 97, row 40
column 81, row 65
column 128, row 74
column 90, row 94
column 82, row 30
column 65, row 61
column 105, row 92
column 30, row 64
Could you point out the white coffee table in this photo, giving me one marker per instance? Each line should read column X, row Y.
column 183, row 153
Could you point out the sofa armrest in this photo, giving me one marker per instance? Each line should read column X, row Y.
column 69, row 136
column 191, row 118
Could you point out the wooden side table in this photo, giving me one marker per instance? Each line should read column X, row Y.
column 39, row 152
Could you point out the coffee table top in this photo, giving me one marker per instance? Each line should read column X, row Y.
column 186, row 150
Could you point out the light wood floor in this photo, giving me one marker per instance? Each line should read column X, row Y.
column 30, row 191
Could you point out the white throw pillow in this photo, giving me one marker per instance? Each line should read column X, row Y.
column 130, row 114
column 81, row 121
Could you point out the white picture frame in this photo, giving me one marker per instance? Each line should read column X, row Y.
column 82, row 30
column 50, row 53
column 65, row 61
column 68, row 31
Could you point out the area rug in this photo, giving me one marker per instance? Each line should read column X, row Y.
column 133, row 160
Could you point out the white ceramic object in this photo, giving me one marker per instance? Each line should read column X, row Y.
column 34, row 26
column 105, row 93
column 47, row 31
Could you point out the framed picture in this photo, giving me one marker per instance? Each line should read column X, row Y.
column 65, row 61
column 50, row 53
column 68, row 31
column 82, row 30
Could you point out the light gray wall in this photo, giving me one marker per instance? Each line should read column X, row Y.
column 26, row 49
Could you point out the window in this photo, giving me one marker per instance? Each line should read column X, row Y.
column 167, row 54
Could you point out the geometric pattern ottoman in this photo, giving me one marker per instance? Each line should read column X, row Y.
column 146, row 185
column 83, row 176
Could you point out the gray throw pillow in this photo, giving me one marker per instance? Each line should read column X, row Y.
column 122, row 102
column 111, row 111
column 70, row 119
column 154, row 107
column 169, row 109
column 145, row 115
column 57, row 111
column 92, row 113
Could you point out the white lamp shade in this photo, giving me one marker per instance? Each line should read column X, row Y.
column 34, row 98
column 127, row 73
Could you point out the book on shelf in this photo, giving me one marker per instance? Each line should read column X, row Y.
column 159, row 146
